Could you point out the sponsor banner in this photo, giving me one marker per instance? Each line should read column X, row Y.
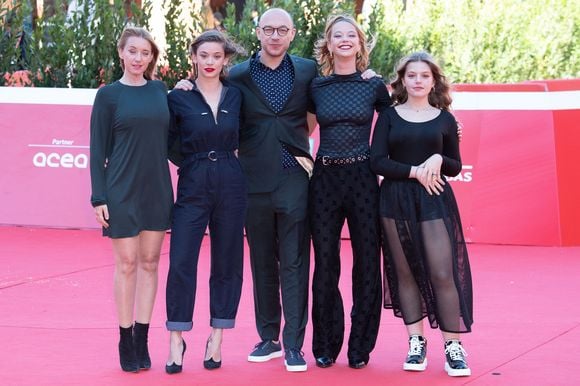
column 44, row 153
column 517, row 145
column 45, row 159
column 513, row 179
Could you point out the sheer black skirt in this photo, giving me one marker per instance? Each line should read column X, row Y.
column 427, row 270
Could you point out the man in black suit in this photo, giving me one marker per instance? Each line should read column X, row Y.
column 274, row 153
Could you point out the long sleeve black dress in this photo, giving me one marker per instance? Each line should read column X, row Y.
column 129, row 169
column 425, row 249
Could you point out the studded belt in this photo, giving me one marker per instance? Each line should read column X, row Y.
column 334, row 161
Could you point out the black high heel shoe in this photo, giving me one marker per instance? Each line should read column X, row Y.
column 174, row 368
column 210, row 364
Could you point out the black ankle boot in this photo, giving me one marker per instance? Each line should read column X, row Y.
column 140, row 332
column 127, row 356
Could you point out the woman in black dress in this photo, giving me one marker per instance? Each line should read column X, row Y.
column 131, row 186
column 211, row 191
column 343, row 187
column 415, row 145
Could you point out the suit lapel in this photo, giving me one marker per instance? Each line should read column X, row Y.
column 297, row 74
column 249, row 82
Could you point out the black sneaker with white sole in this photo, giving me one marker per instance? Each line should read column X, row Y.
column 265, row 350
column 455, row 364
column 294, row 360
column 417, row 355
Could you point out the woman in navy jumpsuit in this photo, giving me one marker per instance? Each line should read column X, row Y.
column 211, row 191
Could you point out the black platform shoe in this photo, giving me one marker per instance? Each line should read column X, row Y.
column 174, row 368
column 210, row 364
column 127, row 357
column 324, row 362
column 357, row 363
column 417, row 356
column 140, row 333
column 455, row 364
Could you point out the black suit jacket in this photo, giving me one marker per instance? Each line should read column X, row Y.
column 262, row 130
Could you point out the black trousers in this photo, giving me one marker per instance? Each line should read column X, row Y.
column 337, row 193
column 278, row 237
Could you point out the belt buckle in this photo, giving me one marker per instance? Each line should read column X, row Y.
column 325, row 161
column 212, row 156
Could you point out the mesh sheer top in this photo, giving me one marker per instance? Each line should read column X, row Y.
column 345, row 106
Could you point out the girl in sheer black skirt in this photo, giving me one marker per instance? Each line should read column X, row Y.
column 415, row 145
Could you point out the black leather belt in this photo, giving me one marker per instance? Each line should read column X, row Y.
column 213, row 155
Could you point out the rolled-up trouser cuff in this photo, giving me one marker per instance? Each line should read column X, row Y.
column 178, row 326
column 222, row 323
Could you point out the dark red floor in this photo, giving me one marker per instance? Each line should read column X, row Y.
column 58, row 327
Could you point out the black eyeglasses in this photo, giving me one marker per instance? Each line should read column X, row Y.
column 281, row 31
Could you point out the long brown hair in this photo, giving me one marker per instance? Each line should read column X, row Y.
column 231, row 49
column 132, row 31
column 439, row 96
column 323, row 55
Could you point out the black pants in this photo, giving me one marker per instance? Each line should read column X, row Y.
column 337, row 193
column 278, row 237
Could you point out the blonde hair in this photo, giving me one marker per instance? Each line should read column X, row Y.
column 324, row 56
column 439, row 96
column 139, row 32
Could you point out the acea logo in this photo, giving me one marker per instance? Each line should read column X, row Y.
column 466, row 174
column 60, row 153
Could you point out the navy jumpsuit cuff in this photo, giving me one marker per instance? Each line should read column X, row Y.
column 222, row 323
column 178, row 326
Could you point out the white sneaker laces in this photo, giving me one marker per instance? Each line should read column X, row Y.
column 455, row 351
column 415, row 345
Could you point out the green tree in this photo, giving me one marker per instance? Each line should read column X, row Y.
column 309, row 19
column 179, row 33
column 11, row 22
column 476, row 41
column 486, row 41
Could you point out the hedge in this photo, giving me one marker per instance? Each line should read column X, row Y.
column 476, row 40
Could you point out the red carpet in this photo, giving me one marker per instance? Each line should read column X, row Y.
column 58, row 327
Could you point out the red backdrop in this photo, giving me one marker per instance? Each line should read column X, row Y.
column 518, row 185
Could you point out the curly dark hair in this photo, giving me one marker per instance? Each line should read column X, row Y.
column 439, row 96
